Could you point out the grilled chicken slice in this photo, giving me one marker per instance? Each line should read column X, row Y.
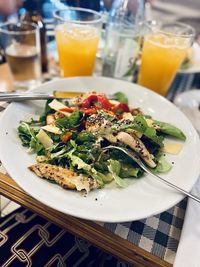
column 111, row 138
column 137, row 145
column 51, row 118
column 64, row 177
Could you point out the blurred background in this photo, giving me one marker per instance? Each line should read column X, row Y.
column 41, row 11
column 180, row 10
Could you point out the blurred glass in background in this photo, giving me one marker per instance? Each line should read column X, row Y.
column 77, row 36
column 123, row 39
column 164, row 48
column 119, row 45
column 21, row 44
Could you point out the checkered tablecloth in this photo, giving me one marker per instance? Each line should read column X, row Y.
column 158, row 234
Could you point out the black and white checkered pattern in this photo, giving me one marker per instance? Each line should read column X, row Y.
column 158, row 234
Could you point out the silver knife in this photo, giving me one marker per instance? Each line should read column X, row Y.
column 10, row 97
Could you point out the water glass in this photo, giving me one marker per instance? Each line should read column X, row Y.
column 123, row 39
column 164, row 49
column 77, row 34
column 21, row 46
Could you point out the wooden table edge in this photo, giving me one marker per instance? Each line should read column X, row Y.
column 87, row 230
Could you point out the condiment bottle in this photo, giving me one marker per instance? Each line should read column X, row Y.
column 32, row 14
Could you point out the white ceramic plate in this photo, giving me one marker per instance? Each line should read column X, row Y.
column 189, row 103
column 142, row 198
column 189, row 99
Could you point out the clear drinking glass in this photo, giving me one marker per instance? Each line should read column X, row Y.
column 77, row 34
column 21, row 46
column 164, row 49
column 123, row 39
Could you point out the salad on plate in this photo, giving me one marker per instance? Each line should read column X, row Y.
column 68, row 140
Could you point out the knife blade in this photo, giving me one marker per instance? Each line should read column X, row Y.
column 42, row 96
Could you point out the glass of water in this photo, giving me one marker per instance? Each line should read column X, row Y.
column 21, row 46
column 123, row 39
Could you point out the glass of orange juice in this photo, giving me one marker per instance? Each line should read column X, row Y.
column 77, row 35
column 164, row 49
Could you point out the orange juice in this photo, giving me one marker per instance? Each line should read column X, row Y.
column 161, row 57
column 77, row 47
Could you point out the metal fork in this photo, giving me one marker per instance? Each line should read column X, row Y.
column 137, row 159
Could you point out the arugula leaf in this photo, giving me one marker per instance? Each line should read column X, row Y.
column 84, row 152
column 72, row 121
column 162, row 166
column 47, row 111
column 127, row 171
column 29, row 139
column 140, row 123
column 121, row 97
column 97, row 176
column 85, row 137
column 107, row 177
column 79, row 163
column 37, row 146
column 24, row 135
column 114, row 168
column 59, row 154
column 75, row 160
column 100, row 177
column 170, row 129
column 34, row 123
column 152, row 134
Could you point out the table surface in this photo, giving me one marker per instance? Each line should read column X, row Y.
column 141, row 238
column 87, row 230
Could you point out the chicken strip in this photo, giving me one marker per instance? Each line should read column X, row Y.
column 137, row 145
column 64, row 177
column 51, row 118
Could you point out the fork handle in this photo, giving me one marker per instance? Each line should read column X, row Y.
column 137, row 159
column 179, row 189
column 196, row 198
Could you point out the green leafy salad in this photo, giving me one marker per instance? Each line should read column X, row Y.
column 68, row 139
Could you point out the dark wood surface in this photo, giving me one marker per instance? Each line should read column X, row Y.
column 87, row 230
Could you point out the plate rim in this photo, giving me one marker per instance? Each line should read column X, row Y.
column 179, row 198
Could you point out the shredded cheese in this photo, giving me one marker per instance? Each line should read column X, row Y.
column 51, row 129
column 56, row 105
column 44, row 139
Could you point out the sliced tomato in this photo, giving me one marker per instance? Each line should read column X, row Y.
column 100, row 101
column 120, row 108
column 104, row 102
column 67, row 109
column 89, row 101
column 89, row 111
